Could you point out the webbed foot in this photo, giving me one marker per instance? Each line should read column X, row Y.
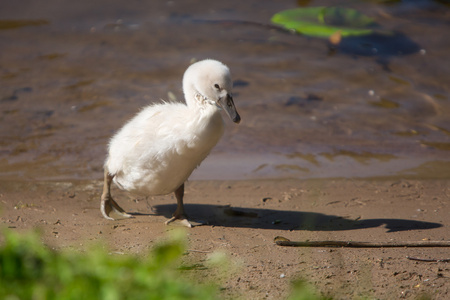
column 181, row 220
column 111, row 210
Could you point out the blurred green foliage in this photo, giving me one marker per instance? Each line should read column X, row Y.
column 31, row 270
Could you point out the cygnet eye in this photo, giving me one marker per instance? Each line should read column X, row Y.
column 217, row 86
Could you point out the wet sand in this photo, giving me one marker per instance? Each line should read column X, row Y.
column 332, row 145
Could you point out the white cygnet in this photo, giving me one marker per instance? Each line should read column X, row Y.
column 156, row 151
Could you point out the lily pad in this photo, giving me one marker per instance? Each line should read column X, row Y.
column 323, row 21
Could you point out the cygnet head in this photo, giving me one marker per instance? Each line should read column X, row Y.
column 208, row 82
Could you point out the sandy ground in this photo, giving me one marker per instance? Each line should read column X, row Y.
column 243, row 219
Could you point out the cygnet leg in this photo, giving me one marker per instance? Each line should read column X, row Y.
column 109, row 208
column 179, row 212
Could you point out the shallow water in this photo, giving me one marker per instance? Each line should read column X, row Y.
column 72, row 72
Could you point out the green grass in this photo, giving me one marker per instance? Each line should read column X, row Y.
column 31, row 270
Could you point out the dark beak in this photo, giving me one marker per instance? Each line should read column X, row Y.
column 228, row 105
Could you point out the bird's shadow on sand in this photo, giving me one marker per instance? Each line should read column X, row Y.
column 257, row 218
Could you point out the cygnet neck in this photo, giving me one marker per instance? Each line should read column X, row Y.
column 195, row 99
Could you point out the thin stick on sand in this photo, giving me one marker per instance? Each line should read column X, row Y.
column 428, row 260
column 281, row 241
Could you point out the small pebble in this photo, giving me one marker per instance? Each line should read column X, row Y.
column 282, row 275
